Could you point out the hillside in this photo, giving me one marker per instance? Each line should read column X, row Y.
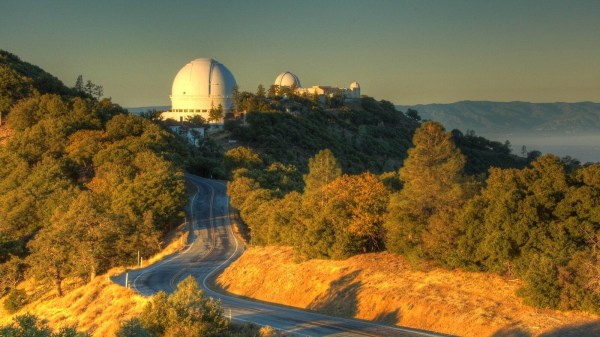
column 99, row 307
column 367, row 136
column 385, row 288
column 36, row 77
column 494, row 117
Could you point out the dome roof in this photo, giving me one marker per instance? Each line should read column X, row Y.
column 203, row 77
column 287, row 79
column 354, row 85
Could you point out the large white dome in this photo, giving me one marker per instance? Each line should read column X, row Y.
column 287, row 79
column 203, row 77
column 199, row 86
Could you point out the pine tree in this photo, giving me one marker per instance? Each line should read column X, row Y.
column 323, row 168
column 420, row 219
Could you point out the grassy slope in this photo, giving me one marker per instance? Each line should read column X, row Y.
column 385, row 288
column 98, row 307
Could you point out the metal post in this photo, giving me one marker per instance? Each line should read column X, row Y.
column 138, row 259
column 126, row 280
column 141, row 262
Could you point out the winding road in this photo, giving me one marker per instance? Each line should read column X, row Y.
column 211, row 247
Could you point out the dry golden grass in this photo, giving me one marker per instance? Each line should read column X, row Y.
column 98, row 307
column 384, row 287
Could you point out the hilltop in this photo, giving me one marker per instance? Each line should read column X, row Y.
column 367, row 135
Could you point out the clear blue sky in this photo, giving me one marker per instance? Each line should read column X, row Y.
column 407, row 52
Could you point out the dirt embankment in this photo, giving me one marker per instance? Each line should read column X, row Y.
column 384, row 287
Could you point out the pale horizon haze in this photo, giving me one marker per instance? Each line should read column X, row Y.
column 407, row 52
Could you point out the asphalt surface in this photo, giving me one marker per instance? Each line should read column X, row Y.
column 211, row 247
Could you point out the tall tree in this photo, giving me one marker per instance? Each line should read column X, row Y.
column 261, row 93
column 355, row 207
column 235, row 95
column 323, row 168
column 215, row 114
column 96, row 231
column 52, row 254
column 79, row 83
column 421, row 215
column 317, row 233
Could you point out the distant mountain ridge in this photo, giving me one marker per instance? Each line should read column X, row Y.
column 494, row 117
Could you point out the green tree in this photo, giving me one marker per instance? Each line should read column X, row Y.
column 93, row 89
column 23, row 113
column 15, row 300
column 13, row 272
column 215, row 114
column 96, row 232
column 356, row 206
column 79, row 84
column 421, row 216
column 12, row 88
column 30, row 326
column 186, row 312
column 317, row 232
column 52, row 255
column 414, row 114
column 196, row 121
column 133, row 328
column 242, row 157
column 236, row 97
column 323, row 168
column 261, row 93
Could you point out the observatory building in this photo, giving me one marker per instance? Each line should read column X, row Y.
column 201, row 85
column 288, row 80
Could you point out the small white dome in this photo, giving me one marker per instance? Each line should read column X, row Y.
column 354, row 85
column 287, row 79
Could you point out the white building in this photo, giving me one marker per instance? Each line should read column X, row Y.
column 201, row 85
column 287, row 79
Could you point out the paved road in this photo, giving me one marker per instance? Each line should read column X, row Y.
column 211, row 247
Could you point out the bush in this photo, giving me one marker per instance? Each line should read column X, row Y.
column 15, row 300
column 133, row 328
column 542, row 289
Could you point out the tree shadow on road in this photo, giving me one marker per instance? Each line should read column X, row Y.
column 590, row 329
column 341, row 298
column 390, row 318
column 511, row 332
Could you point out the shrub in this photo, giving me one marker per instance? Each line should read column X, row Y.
column 15, row 300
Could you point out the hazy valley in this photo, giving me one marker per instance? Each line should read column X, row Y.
column 565, row 129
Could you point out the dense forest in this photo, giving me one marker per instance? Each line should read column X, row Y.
column 539, row 223
column 84, row 186
column 367, row 135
